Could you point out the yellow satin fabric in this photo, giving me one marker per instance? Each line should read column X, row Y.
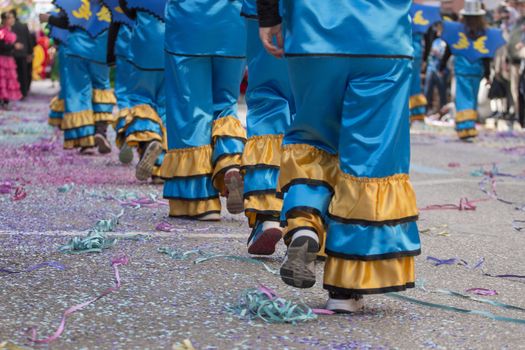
column 373, row 199
column 467, row 133
column 466, row 115
column 179, row 207
column 305, row 219
column 57, row 105
column 88, row 141
column 104, row 96
column 77, row 119
column 222, row 165
column 369, row 275
column 54, row 122
column 133, row 140
column 301, row 161
column 261, row 203
column 417, row 101
column 229, row 127
column 103, row 117
column 417, row 117
column 144, row 112
column 263, row 150
column 187, row 162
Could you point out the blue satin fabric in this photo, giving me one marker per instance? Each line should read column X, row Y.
column 467, row 88
column 368, row 241
column 269, row 96
column 200, row 187
column 155, row 7
column 123, row 82
column 303, row 196
column 62, row 61
column 147, row 42
column 415, row 86
column 124, row 36
column 147, row 88
column 205, row 27
column 260, row 179
column 81, row 44
column 356, row 27
column 160, row 159
column 462, row 66
column 78, row 89
column 249, row 8
column 225, row 146
column 78, row 133
column 200, row 90
column 100, row 80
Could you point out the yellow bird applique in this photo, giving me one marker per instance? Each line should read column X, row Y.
column 479, row 44
column 119, row 9
column 104, row 15
column 84, row 11
column 419, row 19
column 462, row 43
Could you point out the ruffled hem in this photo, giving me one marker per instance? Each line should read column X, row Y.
column 228, row 127
column 261, row 204
column 375, row 201
column 466, row 115
column 417, row 101
column 10, row 95
column 221, row 167
column 185, row 162
column 77, row 119
column 104, row 97
column 57, row 105
column 103, row 117
column 263, row 151
column 301, row 163
column 88, row 141
column 194, row 209
column 467, row 133
column 369, row 277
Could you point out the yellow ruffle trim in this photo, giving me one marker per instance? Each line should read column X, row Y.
column 369, row 275
column 103, row 117
column 88, row 141
column 77, row 119
column 228, row 127
column 144, row 112
column 466, row 115
column 464, row 134
column 57, row 105
column 263, row 150
column 417, row 101
column 417, row 117
column 305, row 219
column 374, row 199
column 223, row 164
column 301, row 161
column 134, row 139
column 56, row 122
column 187, row 162
column 261, row 203
column 184, row 208
column 104, row 96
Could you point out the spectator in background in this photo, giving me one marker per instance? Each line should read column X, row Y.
column 23, row 56
column 515, row 43
column 9, row 87
column 434, row 79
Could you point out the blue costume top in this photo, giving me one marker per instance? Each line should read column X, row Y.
column 347, row 27
column 81, row 44
column 147, row 42
column 249, row 8
column 205, row 28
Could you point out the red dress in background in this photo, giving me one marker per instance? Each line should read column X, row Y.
column 9, row 86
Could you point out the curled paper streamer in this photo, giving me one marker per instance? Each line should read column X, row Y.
column 482, row 291
column 52, row 264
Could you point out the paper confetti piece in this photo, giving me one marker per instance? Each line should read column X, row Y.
column 263, row 303
column 518, row 225
column 66, row 188
column 185, row 345
column 115, row 263
column 20, row 194
column 482, row 291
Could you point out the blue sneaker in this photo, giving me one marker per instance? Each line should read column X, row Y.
column 264, row 237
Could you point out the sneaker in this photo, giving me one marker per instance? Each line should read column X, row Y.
column 235, row 187
column 156, row 180
column 264, row 237
column 210, row 217
column 102, row 143
column 344, row 304
column 298, row 268
column 126, row 154
column 147, row 162
column 87, row 151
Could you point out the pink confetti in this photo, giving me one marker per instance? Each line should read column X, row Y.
column 454, row 165
column 323, row 312
column 115, row 263
column 20, row 194
column 6, row 187
column 482, row 291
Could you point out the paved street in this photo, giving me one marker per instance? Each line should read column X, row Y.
column 48, row 196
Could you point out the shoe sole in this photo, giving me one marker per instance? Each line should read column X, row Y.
column 126, row 154
column 103, row 145
column 235, row 200
column 87, row 152
column 145, row 165
column 298, row 270
column 265, row 245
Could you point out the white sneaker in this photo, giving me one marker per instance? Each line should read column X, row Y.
column 298, row 268
column 345, row 306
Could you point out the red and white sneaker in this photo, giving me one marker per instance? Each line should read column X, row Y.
column 264, row 237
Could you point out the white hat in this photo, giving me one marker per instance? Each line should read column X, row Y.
column 472, row 8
